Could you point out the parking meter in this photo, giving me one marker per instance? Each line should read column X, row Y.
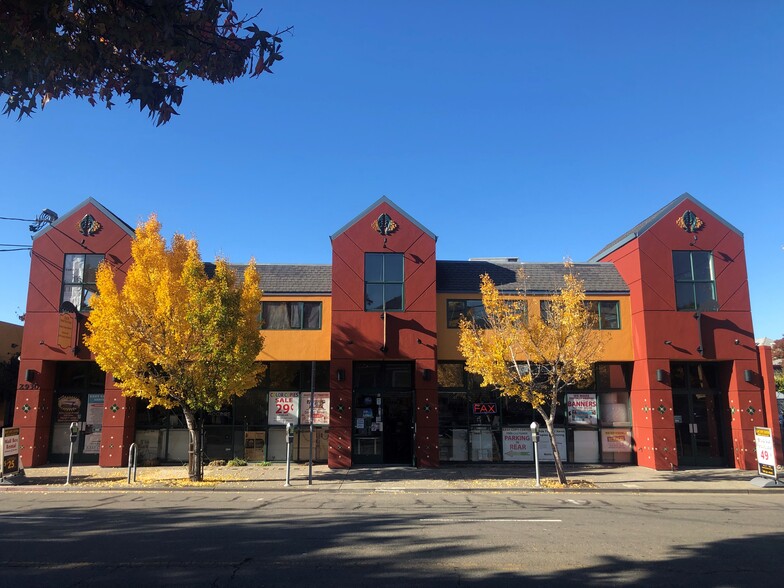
column 289, row 434
column 289, row 441
column 74, row 429
column 535, row 439
column 535, row 432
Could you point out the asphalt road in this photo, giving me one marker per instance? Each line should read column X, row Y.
column 292, row 538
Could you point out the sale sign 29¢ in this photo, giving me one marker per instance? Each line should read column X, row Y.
column 283, row 408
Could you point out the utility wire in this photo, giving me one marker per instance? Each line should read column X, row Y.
column 27, row 220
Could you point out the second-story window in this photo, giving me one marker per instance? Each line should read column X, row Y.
column 383, row 281
column 79, row 273
column 281, row 316
column 605, row 314
column 471, row 309
column 695, row 282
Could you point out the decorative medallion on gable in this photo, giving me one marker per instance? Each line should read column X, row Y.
column 690, row 222
column 88, row 226
column 384, row 225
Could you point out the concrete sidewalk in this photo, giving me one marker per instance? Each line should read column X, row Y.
column 492, row 478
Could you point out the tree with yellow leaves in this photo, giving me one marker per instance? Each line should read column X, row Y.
column 174, row 335
column 531, row 358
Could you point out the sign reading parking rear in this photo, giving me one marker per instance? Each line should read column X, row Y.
column 766, row 456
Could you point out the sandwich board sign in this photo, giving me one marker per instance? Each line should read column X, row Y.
column 10, row 451
column 766, row 455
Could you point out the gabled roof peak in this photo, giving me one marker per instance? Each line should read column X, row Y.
column 116, row 219
column 390, row 203
column 655, row 218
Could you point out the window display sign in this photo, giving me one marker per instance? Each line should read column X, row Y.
column 92, row 424
column 283, row 408
column 581, row 409
column 766, row 456
column 519, row 446
column 616, row 440
column 320, row 408
column 9, row 448
column 254, row 445
column 69, row 409
column 485, row 408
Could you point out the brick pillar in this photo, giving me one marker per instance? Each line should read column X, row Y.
column 118, row 426
column 33, row 411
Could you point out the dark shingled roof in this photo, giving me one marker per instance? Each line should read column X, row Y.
column 537, row 278
column 285, row 279
column 453, row 276
column 295, row 279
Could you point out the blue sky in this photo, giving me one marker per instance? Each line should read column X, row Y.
column 541, row 130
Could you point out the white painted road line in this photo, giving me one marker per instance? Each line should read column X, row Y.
column 439, row 520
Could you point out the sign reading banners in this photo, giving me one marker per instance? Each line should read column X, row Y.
column 519, row 446
column 10, row 451
column 766, row 456
column 283, row 408
column 581, row 409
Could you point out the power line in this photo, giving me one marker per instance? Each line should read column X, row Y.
column 47, row 217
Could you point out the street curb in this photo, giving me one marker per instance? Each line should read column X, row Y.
column 88, row 490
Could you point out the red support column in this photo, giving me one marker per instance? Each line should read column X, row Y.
column 426, row 417
column 653, row 426
column 118, row 426
column 747, row 411
column 33, row 411
column 340, row 412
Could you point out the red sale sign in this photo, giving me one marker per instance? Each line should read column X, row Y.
column 283, row 408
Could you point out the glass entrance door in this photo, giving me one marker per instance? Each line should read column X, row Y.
column 398, row 428
column 383, row 428
column 85, row 409
column 698, row 428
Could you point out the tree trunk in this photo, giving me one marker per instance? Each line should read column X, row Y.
column 195, row 468
column 559, row 469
